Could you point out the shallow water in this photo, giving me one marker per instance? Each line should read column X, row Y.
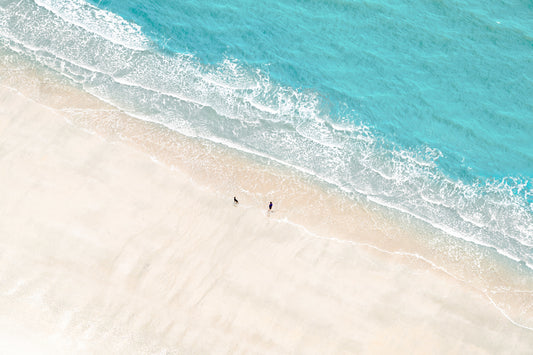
column 421, row 108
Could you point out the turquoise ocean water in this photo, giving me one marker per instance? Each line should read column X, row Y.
column 424, row 107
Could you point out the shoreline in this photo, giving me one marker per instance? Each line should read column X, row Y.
column 299, row 198
column 106, row 166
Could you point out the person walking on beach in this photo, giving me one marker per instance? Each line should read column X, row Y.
column 270, row 206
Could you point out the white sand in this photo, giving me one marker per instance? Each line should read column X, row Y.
column 103, row 250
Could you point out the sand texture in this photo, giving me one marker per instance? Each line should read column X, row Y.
column 103, row 250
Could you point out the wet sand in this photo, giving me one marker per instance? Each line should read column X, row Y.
column 104, row 250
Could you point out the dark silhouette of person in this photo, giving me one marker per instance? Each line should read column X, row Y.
column 270, row 206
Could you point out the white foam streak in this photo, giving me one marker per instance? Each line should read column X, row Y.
column 244, row 110
column 502, row 311
column 103, row 23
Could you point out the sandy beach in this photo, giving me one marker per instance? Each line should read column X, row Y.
column 104, row 250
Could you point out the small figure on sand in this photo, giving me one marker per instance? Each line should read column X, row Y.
column 235, row 201
column 270, row 206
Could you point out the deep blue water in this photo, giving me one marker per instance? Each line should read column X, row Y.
column 424, row 107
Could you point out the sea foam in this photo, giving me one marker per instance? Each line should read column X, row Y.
column 244, row 108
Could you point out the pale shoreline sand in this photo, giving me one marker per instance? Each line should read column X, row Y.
column 104, row 250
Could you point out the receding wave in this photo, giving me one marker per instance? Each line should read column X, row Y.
column 104, row 23
column 244, row 109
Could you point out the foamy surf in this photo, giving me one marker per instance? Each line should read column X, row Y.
column 103, row 23
column 245, row 110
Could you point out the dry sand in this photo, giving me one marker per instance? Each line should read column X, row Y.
column 103, row 250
